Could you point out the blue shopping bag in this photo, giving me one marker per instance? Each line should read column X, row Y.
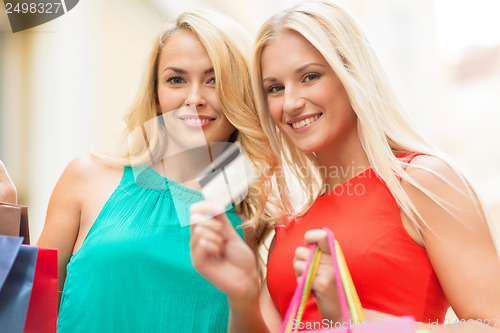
column 17, row 270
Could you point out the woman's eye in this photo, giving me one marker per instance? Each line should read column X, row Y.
column 274, row 89
column 311, row 77
column 175, row 80
column 211, row 80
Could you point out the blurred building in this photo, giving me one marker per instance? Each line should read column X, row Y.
column 473, row 112
column 66, row 86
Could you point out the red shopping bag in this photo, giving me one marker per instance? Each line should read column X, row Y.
column 350, row 306
column 42, row 310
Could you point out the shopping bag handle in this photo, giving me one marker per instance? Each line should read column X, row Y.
column 295, row 302
column 297, row 295
column 338, row 279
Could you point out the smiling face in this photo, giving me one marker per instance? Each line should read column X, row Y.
column 187, row 94
column 306, row 99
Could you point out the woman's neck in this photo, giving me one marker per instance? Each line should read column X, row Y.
column 184, row 167
column 339, row 164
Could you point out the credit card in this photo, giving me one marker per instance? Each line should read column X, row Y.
column 226, row 180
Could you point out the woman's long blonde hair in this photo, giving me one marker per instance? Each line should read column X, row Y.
column 384, row 128
column 228, row 47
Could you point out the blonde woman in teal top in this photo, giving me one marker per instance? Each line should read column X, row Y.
column 119, row 223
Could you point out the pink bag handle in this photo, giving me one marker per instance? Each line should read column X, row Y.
column 297, row 295
column 338, row 279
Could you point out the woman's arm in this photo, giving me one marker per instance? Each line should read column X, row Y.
column 254, row 316
column 63, row 216
column 223, row 258
column 457, row 240
column 77, row 199
column 8, row 192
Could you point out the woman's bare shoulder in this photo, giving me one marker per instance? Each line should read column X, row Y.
column 85, row 178
column 426, row 169
column 89, row 167
column 445, row 200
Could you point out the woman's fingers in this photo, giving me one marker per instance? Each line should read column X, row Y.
column 202, row 226
column 325, row 274
column 205, row 222
column 207, row 241
column 207, row 208
column 324, row 286
column 301, row 253
column 208, row 236
column 8, row 191
column 299, row 266
column 212, row 214
column 317, row 236
column 219, row 254
column 299, row 262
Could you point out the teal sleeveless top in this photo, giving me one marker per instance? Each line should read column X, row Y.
column 133, row 272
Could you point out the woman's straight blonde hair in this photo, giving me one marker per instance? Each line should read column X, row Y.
column 227, row 46
column 384, row 128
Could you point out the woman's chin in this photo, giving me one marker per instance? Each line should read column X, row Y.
column 308, row 148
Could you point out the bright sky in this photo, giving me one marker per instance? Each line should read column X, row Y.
column 460, row 23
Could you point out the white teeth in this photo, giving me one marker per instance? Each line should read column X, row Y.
column 305, row 122
column 196, row 121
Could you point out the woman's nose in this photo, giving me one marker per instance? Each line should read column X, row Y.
column 293, row 101
column 195, row 96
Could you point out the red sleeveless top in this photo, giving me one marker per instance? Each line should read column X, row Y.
column 391, row 272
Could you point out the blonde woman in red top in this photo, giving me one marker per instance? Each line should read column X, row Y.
column 415, row 236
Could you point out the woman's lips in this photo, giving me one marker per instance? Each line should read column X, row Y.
column 196, row 121
column 303, row 123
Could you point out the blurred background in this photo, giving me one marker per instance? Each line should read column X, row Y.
column 66, row 85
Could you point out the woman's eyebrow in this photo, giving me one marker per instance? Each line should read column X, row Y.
column 175, row 69
column 182, row 71
column 270, row 78
column 301, row 68
column 297, row 71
